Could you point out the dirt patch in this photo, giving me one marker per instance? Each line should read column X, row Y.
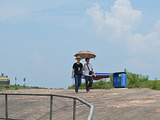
column 143, row 101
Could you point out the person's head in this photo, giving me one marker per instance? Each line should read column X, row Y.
column 87, row 60
column 78, row 58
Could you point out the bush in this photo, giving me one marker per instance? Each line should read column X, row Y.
column 135, row 80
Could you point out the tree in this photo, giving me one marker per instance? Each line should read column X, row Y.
column 15, row 80
column 24, row 81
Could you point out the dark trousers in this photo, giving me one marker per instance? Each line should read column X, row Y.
column 90, row 80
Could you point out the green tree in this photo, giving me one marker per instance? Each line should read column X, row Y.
column 24, row 81
column 125, row 70
column 15, row 80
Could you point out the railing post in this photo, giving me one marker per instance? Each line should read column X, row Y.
column 51, row 99
column 6, row 106
column 74, row 109
column 92, row 117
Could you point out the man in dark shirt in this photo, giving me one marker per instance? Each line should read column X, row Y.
column 77, row 70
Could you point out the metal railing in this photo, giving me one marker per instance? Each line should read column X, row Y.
column 90, row 115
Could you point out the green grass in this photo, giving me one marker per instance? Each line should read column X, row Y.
column 101, row 84
column 153, row 84
column 16, row 87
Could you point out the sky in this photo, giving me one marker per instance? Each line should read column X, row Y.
column 38, row 38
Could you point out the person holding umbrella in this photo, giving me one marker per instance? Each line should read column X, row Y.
column 88, row 69
column 77, row 71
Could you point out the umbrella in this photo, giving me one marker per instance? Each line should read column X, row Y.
column 85, row 54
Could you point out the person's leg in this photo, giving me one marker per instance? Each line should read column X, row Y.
column 76, row 83
column 90, row 82
column 79, row 81
column 86, row 79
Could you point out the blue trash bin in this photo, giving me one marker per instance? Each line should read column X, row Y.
column 120, row 79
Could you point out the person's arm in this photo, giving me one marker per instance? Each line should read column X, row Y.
column 94, row 72
column 83, row 67
column 83, row 70
column 72, row 73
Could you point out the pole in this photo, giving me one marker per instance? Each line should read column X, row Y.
column 51, row 99
column 6, row 106
column 74, row 109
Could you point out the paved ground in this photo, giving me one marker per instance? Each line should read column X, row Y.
column 114, row 104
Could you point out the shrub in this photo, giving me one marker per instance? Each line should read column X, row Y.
column 135, row 80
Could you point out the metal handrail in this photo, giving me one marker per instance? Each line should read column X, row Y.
column 90, row 115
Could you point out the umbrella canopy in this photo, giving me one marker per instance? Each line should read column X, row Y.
column 85, row 54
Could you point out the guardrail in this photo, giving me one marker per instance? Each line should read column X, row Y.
column 90, row 115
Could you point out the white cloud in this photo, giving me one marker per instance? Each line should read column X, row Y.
column 7, row 12
column 118, row 23
column 123, row 11
column 117, row 26
column 18, row 10
column 150, row 42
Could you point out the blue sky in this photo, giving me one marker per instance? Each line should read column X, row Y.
column 39, row 38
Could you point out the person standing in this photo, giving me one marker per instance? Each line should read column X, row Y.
column 77, row 71
column 88, row 69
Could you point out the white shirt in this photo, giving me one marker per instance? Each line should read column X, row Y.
column 86, row 70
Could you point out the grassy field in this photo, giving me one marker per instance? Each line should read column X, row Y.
column 101, row 84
